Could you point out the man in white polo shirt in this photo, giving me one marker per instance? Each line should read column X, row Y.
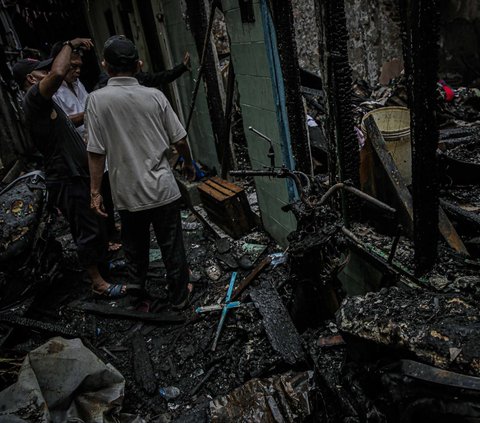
column 133, row 127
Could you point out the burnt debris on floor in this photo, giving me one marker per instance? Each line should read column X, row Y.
column 333, row 240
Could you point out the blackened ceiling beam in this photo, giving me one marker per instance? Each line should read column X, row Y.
column 337, row 76
column 420, row 46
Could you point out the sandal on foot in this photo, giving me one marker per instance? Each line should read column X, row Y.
column 115, row 290
column 183, row 304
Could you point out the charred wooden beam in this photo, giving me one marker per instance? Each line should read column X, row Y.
column 287, row 50
column 403, row 198
column 281, row 331
column 114, row 312
column 337, row 77
column 27, row 323
column 420, row 36
column 470, row 220
column 438, row 376
column 142, row 365
column 458, row 172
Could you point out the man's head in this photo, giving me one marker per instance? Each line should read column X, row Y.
column 28, row 72
column 76, row 62
column 120, row 56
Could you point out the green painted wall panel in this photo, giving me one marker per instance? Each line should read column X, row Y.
column 249, row 58
column 180, row 40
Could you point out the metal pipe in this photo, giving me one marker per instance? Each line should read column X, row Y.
column 332, row 190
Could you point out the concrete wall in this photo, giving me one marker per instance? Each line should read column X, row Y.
column 249, row 56
column 374, row 31
column 306, row 35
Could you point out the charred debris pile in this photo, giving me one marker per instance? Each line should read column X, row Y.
column 370, row 315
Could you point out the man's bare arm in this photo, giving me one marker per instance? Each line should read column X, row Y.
column 184, row 150
column 96, row 165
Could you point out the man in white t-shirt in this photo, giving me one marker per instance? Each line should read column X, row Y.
column 133, row 126
column 71, row 97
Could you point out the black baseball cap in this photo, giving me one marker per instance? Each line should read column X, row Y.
column 23, row 67
column 120, row 51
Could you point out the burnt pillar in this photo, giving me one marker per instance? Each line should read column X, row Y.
column 344, row 155
column 420, row 47
column 198, row 18
column 287, row 49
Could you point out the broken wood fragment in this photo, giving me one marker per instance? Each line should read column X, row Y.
column 281, row 331
column 471, row 220
column 25, row 322
column 114, row 312
column 250, row 277
column 142, row 365
column 197, row 387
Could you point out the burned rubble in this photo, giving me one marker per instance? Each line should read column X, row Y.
column 365, row 309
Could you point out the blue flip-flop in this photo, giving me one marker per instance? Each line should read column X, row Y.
column 112, row 292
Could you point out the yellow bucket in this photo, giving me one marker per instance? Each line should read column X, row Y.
column 394, row 124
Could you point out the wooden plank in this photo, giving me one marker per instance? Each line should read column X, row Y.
column 403, row 194
column 281, row 331
column 142, row 365
column 219, row 187
column 207, row 190
column 390, row 170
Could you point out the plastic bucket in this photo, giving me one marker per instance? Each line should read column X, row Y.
column 394, row 124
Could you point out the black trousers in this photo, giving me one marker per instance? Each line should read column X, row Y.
column 88, row 230
column 167, row 225
column 109, row 209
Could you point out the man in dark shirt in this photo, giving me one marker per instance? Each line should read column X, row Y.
column 65, row 157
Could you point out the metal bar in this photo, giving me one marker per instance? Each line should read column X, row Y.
column 332, row 190
column 224, row 311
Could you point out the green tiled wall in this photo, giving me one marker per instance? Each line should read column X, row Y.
column 250, row 60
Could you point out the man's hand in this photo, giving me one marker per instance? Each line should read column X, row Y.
column 84, row 43
column 188, row 171
column 186, row 60
column 96, row 204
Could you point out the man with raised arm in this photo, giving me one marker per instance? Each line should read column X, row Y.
column 65, row 158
